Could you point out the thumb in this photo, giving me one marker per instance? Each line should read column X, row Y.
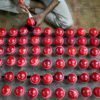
column 38, row 23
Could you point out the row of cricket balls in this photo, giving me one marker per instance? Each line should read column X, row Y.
column 93, row 32
column 48, row 40
column 48, row 50
column 47, row 63
column 46, row 92
column 48, row 78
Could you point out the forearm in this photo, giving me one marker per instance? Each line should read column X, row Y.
column 51, row 6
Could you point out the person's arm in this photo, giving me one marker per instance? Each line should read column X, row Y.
column 40, row 17
column 51, row 6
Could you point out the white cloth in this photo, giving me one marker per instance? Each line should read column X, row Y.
column 7, row 5
column 60, row 16
column 60, row 0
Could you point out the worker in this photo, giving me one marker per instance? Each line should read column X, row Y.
column 55, row 12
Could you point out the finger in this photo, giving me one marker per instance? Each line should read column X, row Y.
column 38, row 24
column 28, row 7
column 24, row 10
column 24, row 7
column 34, row 15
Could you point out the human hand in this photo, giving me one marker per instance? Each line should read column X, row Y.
column 23, row 6
column 39, row 18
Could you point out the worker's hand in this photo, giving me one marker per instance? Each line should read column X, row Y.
column 23, row 6
column 39, row 18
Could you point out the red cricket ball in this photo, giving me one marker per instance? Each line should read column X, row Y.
column 19, row 91
column 81, row 32
column 36, row 50
column 47, row 40
column 2, row 50
column 73, row 93
column 33, row 92
column 60, row 93
column 23, row 40
column 12, row 41
column 96, row 91
column 21, row 1
column 95, row 76
column 34, row 61
column 35, row 40
column 59, row 76
column 59, row 50
column 35, row 79
column 82, row 41
column 94, row 41
column 83, row 63
column 46, row 93
column 95, row 64
column 58, row 40
column 86, row 91
column 47, row 78
column 93, row 32
column 84, row 77
column 13, row 31
column 72, row 78
column 70, row 32
column 47, row 50
column 47, row 31
column 60, row 63
column 31, row 21
column 1, row 62
column 22, row 50
column 11, row 61
column 71, row 51
column 72, row 62
column 70, row 41
column 94, row 51
column 21, row 75
column 59, row 32
column 3, row 32
column 6, row 90
column 21, row 61
column 83, row 51
column 46, row 63
column 37, row 31
column 11, row 49
column 9, row 76
column 23, row 31
column 2, row 41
